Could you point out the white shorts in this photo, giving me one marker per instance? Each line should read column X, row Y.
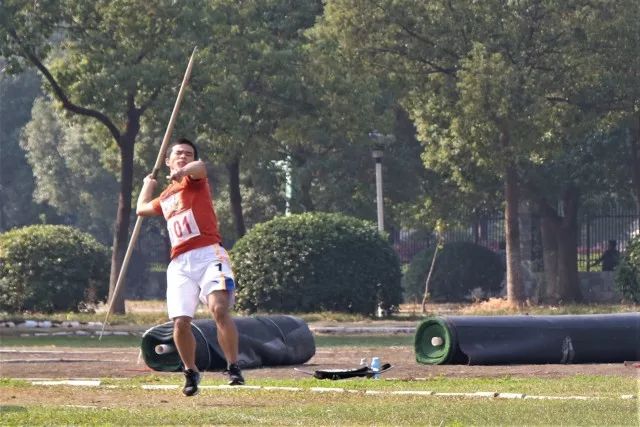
column 193, row 275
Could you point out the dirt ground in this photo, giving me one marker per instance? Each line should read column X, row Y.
column 74, row 363
column 70, row 363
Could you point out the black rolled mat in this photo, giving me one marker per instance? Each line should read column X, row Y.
column 504, row 340
column 263, row 341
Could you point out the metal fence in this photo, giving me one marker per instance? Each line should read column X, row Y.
column 594, row 233
column 488, row 232
column 597, row 230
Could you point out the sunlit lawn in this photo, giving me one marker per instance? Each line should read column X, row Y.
column 127, row 404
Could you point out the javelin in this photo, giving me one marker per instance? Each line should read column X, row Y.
column 154, row 173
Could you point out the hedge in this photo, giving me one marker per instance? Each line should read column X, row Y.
column 460, row 268
column 627, row 273
column 316, row 262
column 50, row 268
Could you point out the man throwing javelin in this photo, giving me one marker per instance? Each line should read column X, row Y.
column 200, row 269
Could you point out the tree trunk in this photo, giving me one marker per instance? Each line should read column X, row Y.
column 549, row 231
column 302, row 181
column 303, row 189
column 559, row 241
column 2, row 215
column 568, row 281
column 235, row 197
column 634, row 159
column 121, row 232
column 515, row 285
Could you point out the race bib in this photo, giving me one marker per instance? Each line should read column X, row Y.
column 182, row 227
column 171, row 204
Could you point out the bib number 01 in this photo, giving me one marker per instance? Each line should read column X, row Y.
column 182, row 227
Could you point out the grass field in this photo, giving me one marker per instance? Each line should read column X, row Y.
column 570, row 400
column 580, row 400
column 125, row 403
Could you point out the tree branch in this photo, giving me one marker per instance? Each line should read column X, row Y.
column 149, row 101
column 400, row 52
column 61, row 95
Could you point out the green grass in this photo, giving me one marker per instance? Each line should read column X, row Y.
column 146, row 313
column 133, row 319
column 70, row 341
column 133, row 406
column 127, row 404
column 347, row 410
column 576, row 385
column 159, row 316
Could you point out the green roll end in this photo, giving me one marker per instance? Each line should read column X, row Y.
column 167, row 362
column 433, row 342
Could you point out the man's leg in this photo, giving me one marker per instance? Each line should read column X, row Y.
column 186, row 344
column 218, row 302
column 185, row 341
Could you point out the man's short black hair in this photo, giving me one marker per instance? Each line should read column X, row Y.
column 181, row 141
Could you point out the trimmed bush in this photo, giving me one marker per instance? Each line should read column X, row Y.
column 627, row 273
column 316, row 262
column 460, row 268
column 50, row 268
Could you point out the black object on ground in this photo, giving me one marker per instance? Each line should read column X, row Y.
column 340, row 374
column 263, row 341
column 524, row 339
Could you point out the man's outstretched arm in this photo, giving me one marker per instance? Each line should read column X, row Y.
column 196, row 170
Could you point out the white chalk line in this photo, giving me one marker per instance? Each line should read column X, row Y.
column 427, row 393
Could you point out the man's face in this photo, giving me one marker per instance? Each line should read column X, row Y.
column 180, row 155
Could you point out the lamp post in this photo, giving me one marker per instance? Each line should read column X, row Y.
column 377, row 154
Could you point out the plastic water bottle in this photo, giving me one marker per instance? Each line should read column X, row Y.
column 375, row 367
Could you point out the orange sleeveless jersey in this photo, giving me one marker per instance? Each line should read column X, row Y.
column 191, row 219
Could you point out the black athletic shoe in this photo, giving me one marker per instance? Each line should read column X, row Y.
column 235, row 376
column 192, row 379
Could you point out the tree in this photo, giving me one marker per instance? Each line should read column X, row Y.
column 16, row 179
column 248, row 83
column 590, row 123
column 291, row 103
column 117, row 62
column 475, row 78
column 68, row 170
column 605, row 75
column 611, row 75
column 580, row 172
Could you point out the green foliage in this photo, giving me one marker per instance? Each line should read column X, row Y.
column 58, row 154
column 50, row 267
column 460, row 268
column 627, row 274
column 314, row 262
column 17, row 207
